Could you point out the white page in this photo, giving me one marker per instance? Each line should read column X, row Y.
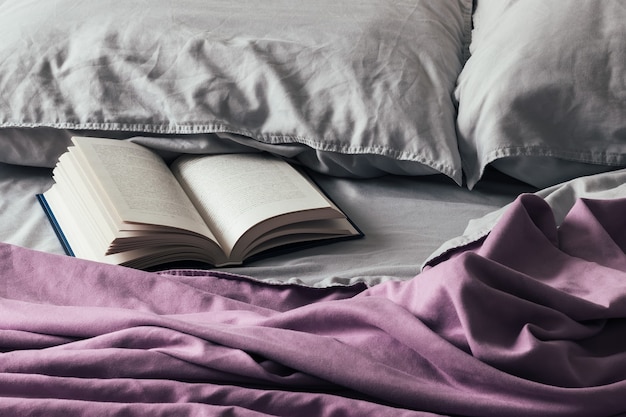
column 140, row 185
column 236, row 191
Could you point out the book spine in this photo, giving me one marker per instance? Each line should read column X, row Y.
column 55, row 225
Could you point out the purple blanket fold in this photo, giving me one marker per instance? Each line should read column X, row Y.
column 530, row 321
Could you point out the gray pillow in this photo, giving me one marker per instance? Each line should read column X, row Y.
column 346, row 87
column 543, row 95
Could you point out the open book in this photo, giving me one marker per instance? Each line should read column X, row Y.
column 118, row 202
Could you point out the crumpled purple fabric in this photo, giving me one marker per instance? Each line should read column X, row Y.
column 530, row 321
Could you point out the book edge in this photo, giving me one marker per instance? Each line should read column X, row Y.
column 55, row 225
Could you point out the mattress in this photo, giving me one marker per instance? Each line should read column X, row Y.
column 404, row 219
column 528, row 297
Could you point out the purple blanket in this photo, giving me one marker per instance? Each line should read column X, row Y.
column 529, row 322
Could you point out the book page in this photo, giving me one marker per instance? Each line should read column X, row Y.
column 236, row 191
column 139, row 184
column 86, row 203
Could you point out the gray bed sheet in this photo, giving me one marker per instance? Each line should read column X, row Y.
column 404, row 219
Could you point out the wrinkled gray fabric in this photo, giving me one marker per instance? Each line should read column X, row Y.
column 561, row 198
column 544, row 92
column 345, row 78
column 404, row 220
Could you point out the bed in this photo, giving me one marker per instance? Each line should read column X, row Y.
column 479, row 145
